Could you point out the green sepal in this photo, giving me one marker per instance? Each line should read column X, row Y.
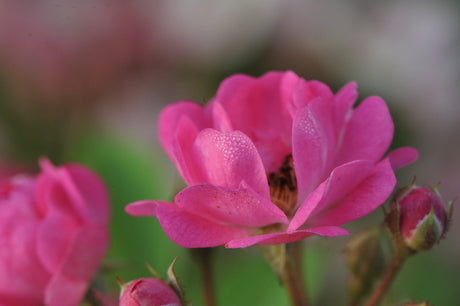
column 276, row 257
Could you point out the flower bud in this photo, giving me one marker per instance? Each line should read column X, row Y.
column 423, row 219
column 148, row 291
column 365, row 257
column 153, row 291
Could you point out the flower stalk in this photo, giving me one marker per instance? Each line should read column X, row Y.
column 203, row 256
column 386, row 280
column 293, row 278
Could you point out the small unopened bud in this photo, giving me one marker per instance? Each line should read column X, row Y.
column 365, row 257
column 152, row 291
column 420, row 217
column 148, row 291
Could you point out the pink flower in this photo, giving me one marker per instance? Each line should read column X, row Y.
column 274, row 160
column 148, row 291
column 52, row 234
column 73, row 51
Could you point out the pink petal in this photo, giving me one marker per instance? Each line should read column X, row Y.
column 169, row 122
column 149, row 291
column 344, row 101
column 342, row 181
column 364, row 199
column 220, row 117
column 93, row 191
column 188, row 167
column 191, row 231
column 402, row 157
column 235, row 207
column 54, row 238
column 55, row 190
column 258, row 108
column 228, row 158
column 305, row 92
column 22, row 276
column 255, row 105
column 313, row 145
column 146, row 208
column 84, row 255
column 10, row 298
column 289, row 82
column 272, row 152
column 368, row 133
column 65, row 292
column 286, row 237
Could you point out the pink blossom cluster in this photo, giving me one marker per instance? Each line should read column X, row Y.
column 70, row 50
column 272, row 160
column 53, row 235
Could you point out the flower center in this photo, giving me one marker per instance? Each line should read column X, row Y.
column 283, row 186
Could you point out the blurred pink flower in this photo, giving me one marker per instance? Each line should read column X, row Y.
column 53, row 235
column 148, row 291
column 274, row 160
column 71, row 51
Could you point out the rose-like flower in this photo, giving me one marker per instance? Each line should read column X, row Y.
column 148, row 291
column 422, row 217
column 274, row 160
column 52, row 234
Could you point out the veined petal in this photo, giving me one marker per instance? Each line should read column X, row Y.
column 228, row 158
column 343, row 103
column 192, row 231
column 402, row 157
column 286, row 237
column 342, row 181
column 256, row 105
column 363, row 200
column 368, row 133
column 313, row 145
column 233, row 207
column 258, row 108
column 186, row 163
column 169, row 122
column 305, row 92
column 221, row 121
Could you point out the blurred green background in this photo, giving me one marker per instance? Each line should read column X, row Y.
column 84, row 81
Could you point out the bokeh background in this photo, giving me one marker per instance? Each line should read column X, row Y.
column 84, row 81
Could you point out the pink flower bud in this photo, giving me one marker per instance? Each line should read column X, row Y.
column 53, row 235
column 422, row 217
column 148, row 291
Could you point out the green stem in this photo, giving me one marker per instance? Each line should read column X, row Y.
column 204, row 259
column 386, row 280
column 293, row 275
